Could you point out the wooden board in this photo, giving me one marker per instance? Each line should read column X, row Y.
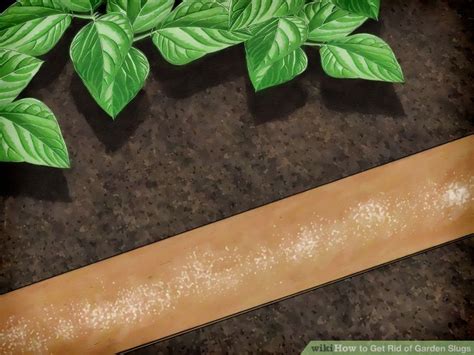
column 248, row 260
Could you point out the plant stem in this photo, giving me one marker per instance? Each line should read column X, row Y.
column 143, row 36
column 85, row 17
column 312, row 44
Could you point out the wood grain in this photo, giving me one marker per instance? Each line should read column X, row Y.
column 248, row 260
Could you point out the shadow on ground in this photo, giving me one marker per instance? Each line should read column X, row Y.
column 276, row 103
column 179, row 82
column 38, row 182
column 112, row 133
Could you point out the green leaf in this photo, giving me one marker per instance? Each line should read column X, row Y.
column 53, row 4
column 327, row 22
column 361, row 56
column 273, row 54
column 281, row 71
column 195, row 29
column 246, row 13
column 82, row 5
column 144, row 15
column 225, row 3
column 32, row 30
column 112, row 71
column 129, row 80
column 30, row 133
column 16, row 71
column 368, row 8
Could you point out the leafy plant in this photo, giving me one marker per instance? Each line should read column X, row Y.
column 273, row 33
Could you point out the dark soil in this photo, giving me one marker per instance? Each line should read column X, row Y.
column 198, row 145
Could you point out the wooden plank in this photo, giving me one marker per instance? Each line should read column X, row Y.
column 248, row 260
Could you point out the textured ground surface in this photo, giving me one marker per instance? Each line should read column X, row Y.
column 198, row 145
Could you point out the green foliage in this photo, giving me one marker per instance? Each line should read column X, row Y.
column 32, row 29
column 326, row 21
column 247, row 13
column 360, row 56
column 369, row 8
column 194, row 29
column 273, row 53
column 81, row 5
column 16, row 71
column 111, row 69
column 30, row 133
column 143, row 15
column 273, row 32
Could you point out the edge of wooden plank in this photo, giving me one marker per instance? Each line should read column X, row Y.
column 245, row 211
column 356, row 274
